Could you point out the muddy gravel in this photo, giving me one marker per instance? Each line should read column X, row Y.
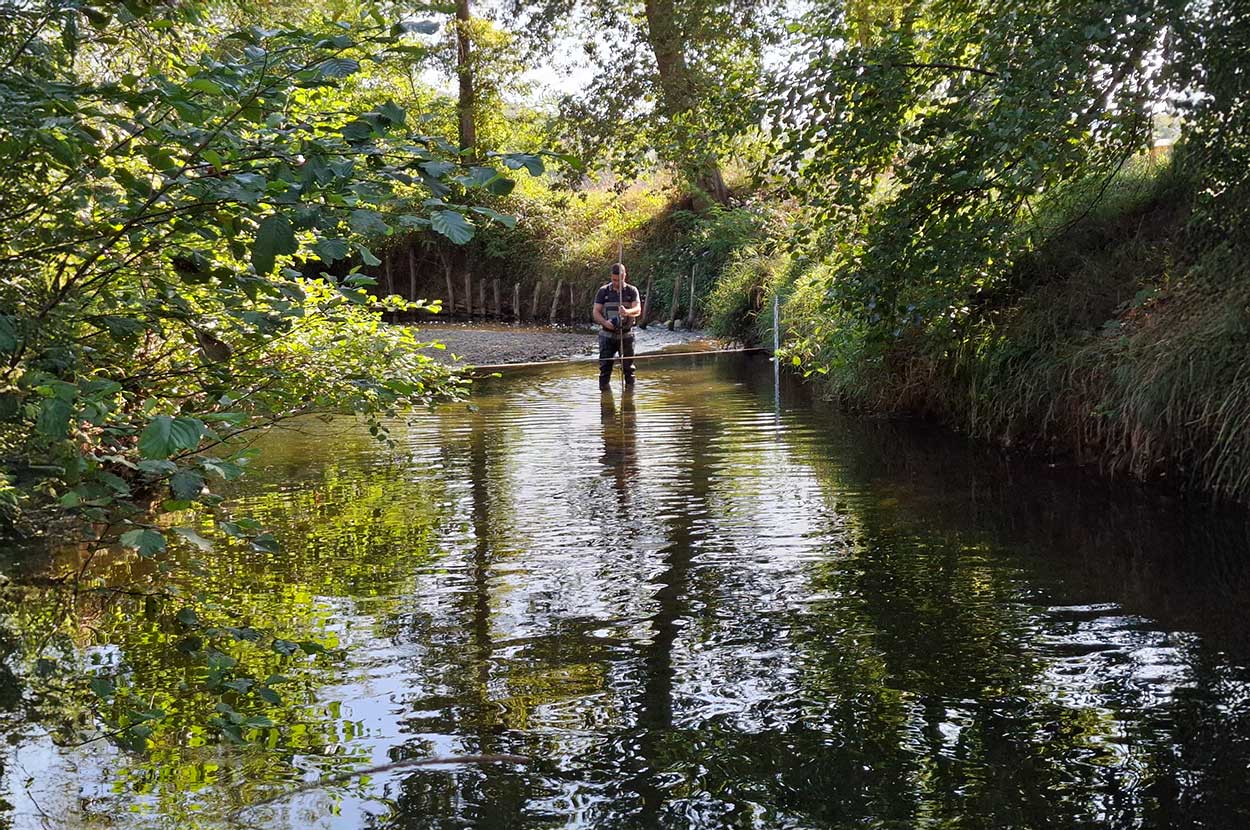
column 485, row 344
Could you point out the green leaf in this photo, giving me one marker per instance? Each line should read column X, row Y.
column 420, row 27
column 501, row 186
column 188, row 617
column 8, row 333
column 53, row 420
column 194, row 538
column 265, row 542
column 225, row 469
column 165, row 435
column 502, row 218
column 331, row 250
column 186, row 485
column 532, row 163
column 205, row 85
column 367, row 256
column 102, row 687
column 268, row 695
column 338, row 67
column 393, row 113
column 157, row 467
column 438, row 169
column 275, row 236
column 284, row 647
column 146, row 540
column 368, row 223
column 479, row 177
column 452, row 225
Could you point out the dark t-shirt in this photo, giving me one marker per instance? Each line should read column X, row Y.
column 608, row 297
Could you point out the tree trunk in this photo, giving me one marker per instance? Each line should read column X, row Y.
column 464, row 70
column 668, row 45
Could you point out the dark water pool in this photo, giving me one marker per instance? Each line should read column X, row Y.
column 687, row 607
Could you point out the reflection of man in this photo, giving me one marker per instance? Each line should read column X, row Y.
column 620, row 449
column 616, row 308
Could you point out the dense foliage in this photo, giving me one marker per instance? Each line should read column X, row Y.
column 157, row 203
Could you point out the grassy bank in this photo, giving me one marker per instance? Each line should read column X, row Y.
column 1118, row 335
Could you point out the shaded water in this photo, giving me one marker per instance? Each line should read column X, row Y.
column 687, row 608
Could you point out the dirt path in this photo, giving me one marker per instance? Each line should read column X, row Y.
column 486, row 344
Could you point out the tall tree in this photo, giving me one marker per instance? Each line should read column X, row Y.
column 675, row 79
column 668, row 44
column 464, row 73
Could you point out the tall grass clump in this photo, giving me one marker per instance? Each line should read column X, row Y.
column 740, row 303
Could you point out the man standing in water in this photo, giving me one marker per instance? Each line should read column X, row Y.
column 616, row 308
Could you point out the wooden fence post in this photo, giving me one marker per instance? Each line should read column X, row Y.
column 672, row 309
column 481, row 297
column 468, row 294
column 386, row 273
column 690, row 310
column 451, row 294
column 516, row 303
column 646, row 303
column 412, row 275
column 555, row 301
column 538, row 293
column 495, row 288
column 572, row 306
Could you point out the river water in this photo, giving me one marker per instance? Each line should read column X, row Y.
column 689, row 605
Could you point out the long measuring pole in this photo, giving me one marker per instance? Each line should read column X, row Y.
column 620, row 327
column 776, row 357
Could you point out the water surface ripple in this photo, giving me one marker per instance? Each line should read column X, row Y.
column 693, row 606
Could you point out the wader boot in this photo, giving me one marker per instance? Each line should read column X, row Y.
column 610, row 343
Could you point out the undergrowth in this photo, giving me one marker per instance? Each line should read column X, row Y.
column 1113, row 337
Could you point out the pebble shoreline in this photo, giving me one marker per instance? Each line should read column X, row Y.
column 485, row 344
